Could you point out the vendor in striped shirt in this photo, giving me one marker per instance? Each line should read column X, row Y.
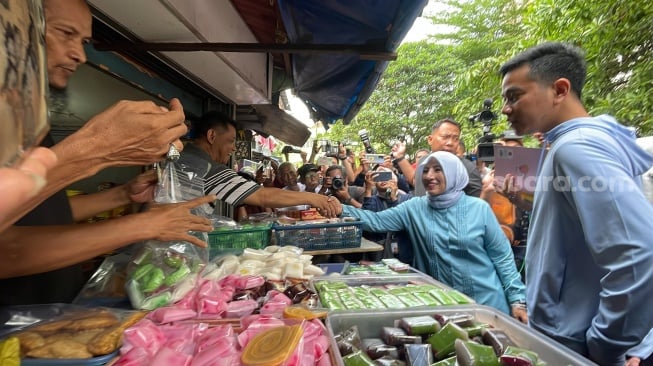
column 209, row 152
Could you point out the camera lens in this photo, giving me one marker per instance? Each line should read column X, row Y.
column 337, row 183
column 486, row 116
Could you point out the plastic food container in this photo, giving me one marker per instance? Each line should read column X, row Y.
column 416, row 277
column 370, row 323
column 236, row 240
column 345, row 269
column 397, row 279
column 94, row 361
column 292, row 211
column 338, row 235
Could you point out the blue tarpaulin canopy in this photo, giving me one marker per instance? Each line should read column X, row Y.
column 335, row 85
column 332, row 53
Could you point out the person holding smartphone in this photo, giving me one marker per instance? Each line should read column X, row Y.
column 387, row 195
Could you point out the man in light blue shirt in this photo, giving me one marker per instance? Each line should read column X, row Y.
column 590, row 258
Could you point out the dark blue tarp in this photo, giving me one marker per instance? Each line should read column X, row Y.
column 335, row 86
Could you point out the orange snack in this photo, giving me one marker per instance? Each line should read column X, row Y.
column 311, row 214
column 272, row 347
column 301, row 312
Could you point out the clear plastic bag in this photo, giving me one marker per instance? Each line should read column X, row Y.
column 65, row 331
column 107, row 285
column 161, row 273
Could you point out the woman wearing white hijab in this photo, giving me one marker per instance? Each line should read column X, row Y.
column 456, row 238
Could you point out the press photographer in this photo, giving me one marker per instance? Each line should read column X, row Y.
column 336, row 185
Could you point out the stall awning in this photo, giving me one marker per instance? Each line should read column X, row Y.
column 270, row 120
column 332, row 53
column 335, row 86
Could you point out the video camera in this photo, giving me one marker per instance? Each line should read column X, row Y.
column 485, row 147
column 330, row 148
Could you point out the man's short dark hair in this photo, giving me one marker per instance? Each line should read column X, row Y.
column 551, row 61
column 213, row 119
column 439, row 123
column 332, row 168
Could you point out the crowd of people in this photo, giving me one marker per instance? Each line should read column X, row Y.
column 586, row 250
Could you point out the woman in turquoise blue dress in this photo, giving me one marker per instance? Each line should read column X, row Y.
column 456, row 238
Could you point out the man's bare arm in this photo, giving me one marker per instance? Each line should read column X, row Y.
column 275, row 197
column 127, row 134
column 407, row 170
column 19, row 184
column 138, row 190
column 87, row 206
column 27, row 250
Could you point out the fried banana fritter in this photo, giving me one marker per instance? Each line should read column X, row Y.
column 29, row 341
column 63, row 348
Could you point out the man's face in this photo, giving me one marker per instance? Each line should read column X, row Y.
column 67, row 28
column 526, row 103
column 328, row 179
column 224, row 144
column 433, row 179
column 287, row 175
column 444, row 138
column 311, row 180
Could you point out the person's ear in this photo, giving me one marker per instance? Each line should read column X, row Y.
column 210, row 136
column 561, row 88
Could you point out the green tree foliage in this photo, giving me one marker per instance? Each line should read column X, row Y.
column 451, row 74
column 618, row 39
column 414, row 89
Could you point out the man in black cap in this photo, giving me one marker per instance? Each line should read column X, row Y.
column 309, row 177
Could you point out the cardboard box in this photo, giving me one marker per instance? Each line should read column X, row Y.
column 310, row 214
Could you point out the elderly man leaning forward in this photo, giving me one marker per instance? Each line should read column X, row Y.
column 40, row 255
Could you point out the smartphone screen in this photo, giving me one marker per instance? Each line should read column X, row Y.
column 383, row 176
column 375, row 158
column 325, row 161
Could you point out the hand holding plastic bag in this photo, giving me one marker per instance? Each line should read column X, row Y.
column 172, row 222
column 164, row 270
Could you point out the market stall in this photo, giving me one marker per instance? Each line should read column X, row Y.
column 269, row 305
column 254, row 297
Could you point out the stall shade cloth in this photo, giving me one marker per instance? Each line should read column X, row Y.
column 335, row 86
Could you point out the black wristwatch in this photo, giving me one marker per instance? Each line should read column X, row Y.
column 397, row 160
